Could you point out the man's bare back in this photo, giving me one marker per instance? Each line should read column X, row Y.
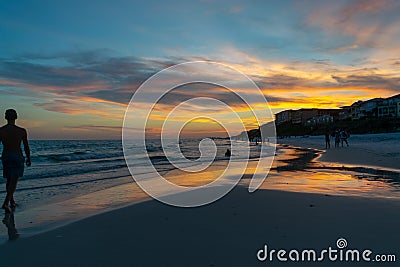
column 11, row 136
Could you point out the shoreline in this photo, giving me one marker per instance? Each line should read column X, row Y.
column 40, row 219
column 227, row 232
column 372, row 155
column 280, row 203
column 37, row 220
column 316, row 161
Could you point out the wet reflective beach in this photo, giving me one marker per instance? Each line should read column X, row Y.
column 294, row 170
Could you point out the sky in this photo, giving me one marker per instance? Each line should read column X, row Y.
column 70, row 68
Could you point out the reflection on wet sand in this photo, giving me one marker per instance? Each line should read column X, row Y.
column 296, row 170
column 9, row 222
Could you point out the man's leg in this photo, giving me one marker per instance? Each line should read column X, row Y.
column 13, row 188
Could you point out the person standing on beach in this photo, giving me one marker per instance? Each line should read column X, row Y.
column 337, row 138
column 343, row 137
column 327, row 140
column 12, row 158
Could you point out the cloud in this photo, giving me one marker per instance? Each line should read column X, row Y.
column 363, row 7
column 352, row 25
column 94, row 127
column 82, row 107
column 84, row 131
column 118, row 95
column 97, row 83
column 42, row 75
column 75, row 83
column 83, row 70
column 370, row 81
column 341, row 48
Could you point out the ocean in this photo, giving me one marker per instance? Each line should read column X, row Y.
column 63, row 169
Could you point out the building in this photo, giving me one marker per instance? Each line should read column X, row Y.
column 304, row 115
column 373, row 108
column 389, row 107
column 369, row 108
column 345, row 113
column 283, row 116
column 364, row 109
column 319, row 120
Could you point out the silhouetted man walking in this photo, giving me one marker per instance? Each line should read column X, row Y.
column 12, row 159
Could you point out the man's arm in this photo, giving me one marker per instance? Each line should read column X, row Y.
column 26, row 148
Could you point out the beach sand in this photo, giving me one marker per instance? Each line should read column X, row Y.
column 230, row 231
column 372, row 154
column 226, row 233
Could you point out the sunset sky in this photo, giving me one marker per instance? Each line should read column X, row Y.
column 71, row 67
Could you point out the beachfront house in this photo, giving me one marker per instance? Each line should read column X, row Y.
column 369, row 108
column 302, row 115
column 364, row 109
column 344, row 113
column 283, row 116
column 389, row 107
column 295, row 116
column 355, row 111
column 307, row 116
column 318, row 120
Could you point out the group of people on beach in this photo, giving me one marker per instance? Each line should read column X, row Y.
column 340, row 136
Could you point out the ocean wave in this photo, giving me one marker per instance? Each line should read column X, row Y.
column 75, row 156
column 153, row 148
column 62, row 171
column 53, row 159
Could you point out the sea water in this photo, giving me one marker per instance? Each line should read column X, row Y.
column 63, row 169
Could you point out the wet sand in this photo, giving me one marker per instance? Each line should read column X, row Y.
column 232, row 230
column 371, row 154
column 226, row 233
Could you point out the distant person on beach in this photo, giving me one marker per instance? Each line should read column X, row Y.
column 228, row 153
column 12, row 158
column 343, row 137
column 327, row 140
column 337, row 138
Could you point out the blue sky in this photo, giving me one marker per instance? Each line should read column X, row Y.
column 70, row 67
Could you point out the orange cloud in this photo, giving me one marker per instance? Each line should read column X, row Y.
column 82, row 107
